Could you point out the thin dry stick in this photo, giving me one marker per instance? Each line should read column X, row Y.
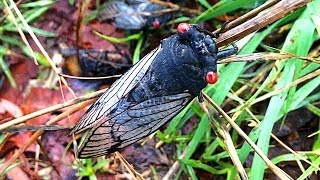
column 233, row 152
column 269, row 16
column 223, row 133
column 133, row 172
column 84, row 5
column 265, row 56
column 277, row 171
column 176, row 165
column 51, row 109
column 295, row 154
column 294, row 83
column 6, row 13
column 46, row 154
column 37, row 156
column 90, row 78
column 248, row 15
column 37, row 134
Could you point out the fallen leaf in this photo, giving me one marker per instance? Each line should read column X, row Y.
column 17, row 173
column 11, row 108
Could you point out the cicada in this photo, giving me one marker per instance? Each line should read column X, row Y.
column 152, row 92
column 134, row 14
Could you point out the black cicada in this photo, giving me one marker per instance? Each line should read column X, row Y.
column 152, row 92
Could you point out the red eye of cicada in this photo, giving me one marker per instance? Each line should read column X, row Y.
column 211, row 77
column 183, row 27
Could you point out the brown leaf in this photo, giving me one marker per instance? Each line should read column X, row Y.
column 17, row 173
column 20, row 140
column 40, row 98
column 11, row 108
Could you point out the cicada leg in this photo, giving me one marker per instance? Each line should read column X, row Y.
column 228, row 52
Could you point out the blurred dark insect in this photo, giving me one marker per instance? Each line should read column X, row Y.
column 134, row 14
column 1, row 77
column 95, row 62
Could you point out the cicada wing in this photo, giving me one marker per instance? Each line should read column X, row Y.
column 131, row 123
column 107, row 102
column 123, row 15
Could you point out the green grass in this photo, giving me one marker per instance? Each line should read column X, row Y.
column 298, row 41
column 203, row 149
column 31, row 11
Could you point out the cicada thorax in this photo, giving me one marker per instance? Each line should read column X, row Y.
column 175, row 70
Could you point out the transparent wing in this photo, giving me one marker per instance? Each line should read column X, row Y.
column 108, row 101
column 131, row 123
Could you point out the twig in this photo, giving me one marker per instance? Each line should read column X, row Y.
column 79, row 25
column 247, row 16
column 90, row 78
column 51, row 109
column 34, row 128
column 265, row 56
column 175, row 165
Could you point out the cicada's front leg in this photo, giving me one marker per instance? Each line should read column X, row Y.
column 228, row 52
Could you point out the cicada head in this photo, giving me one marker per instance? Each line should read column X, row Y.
column 204, row 48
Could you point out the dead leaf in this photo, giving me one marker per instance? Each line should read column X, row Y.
column 11, row 108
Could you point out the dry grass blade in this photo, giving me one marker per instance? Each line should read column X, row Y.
column 283, row 144
column 277, row 171
column 245, row 87
column 257, row 57
column 264, row 57
column 23, row 37
column 294, row 83
column 222, row 131
column 89, row 78
column 248, row 15
column 34, row 128
column 37, row 42
column 175, row 165
column 295, row 154
column 51, row 109
column 269, row 16
column 129, row 168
